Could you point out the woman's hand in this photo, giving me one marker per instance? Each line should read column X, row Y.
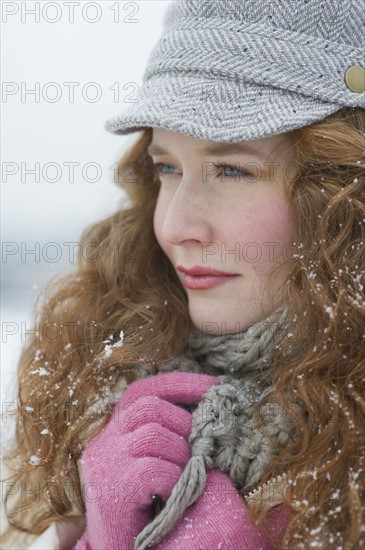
column 219, row 520
column 138, row 457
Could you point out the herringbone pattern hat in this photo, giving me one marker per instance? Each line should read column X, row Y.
column 233, row 70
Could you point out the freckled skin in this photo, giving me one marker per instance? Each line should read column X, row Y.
column 192, row 211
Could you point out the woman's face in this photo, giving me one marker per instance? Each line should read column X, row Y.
column 226, row 220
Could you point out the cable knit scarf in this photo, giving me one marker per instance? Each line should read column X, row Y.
column 224, row 434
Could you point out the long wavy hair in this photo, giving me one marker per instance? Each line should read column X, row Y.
column 124, row 309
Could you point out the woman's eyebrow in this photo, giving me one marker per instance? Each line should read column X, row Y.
column 214, row 149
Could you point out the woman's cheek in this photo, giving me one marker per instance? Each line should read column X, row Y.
column 273, row 227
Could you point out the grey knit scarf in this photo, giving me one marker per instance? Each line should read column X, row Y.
column 224, row 434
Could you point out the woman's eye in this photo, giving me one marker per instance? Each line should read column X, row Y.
column 162, row 169
column 228, row 170
column 232, row 171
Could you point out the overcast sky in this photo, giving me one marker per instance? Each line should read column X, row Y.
column 97, row 45
column 39, row 53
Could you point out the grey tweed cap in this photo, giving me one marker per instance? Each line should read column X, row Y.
column 233, row 70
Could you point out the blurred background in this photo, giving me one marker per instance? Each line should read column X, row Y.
column 67, row 67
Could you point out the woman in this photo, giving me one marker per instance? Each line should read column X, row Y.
column 251, row 382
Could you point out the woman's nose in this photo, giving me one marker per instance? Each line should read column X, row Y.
column 188, row 214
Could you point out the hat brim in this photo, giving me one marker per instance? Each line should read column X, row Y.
column 216, row 110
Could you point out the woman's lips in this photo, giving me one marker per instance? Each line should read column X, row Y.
column 201, row 282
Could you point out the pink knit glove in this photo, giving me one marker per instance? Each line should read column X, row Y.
column 140, row 453
column 219, row 519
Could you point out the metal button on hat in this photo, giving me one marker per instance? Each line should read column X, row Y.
column 355, row 78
